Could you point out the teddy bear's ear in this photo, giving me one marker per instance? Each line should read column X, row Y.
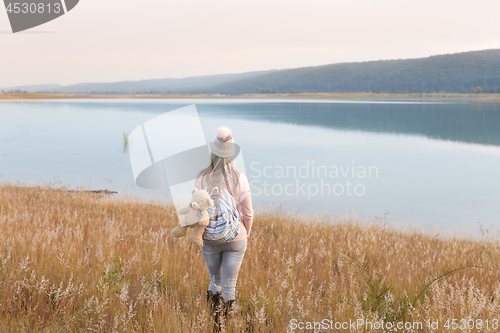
column 194, row 190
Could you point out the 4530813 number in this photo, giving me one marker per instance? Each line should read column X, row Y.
column 24, row 7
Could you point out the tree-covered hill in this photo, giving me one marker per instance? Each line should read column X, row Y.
column 475, row 71
column 460, row 72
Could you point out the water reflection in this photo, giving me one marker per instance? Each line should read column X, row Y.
column 437, row 162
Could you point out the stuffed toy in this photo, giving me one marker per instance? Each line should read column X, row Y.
column 194, row 215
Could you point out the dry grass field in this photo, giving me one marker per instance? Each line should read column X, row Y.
column 76, row 262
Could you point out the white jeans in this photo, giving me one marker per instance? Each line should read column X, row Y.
column 223, row 262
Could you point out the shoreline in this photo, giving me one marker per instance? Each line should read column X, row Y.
column 489, row 98
column 404, row 228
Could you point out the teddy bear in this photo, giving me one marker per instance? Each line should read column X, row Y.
column 194, row 215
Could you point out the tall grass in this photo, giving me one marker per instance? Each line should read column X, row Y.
column 74, row 262
column 125, row 141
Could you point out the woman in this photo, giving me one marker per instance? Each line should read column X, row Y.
column 224, row 260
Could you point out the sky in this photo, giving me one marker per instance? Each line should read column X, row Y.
column 121, row 40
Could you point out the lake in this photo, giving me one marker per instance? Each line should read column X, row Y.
column 424, row 163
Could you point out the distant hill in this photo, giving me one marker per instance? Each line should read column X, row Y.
column 37, row 87
column 156, row 86
column 458, row 72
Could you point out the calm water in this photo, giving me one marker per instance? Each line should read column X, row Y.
column 425, row 163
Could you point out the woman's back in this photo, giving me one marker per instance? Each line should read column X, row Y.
column 242, row 198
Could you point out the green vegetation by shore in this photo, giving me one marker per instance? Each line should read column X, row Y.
column 74, row 262
column 493, row 98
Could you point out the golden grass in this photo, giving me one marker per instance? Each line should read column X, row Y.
column 73, row 262
column 493, row 98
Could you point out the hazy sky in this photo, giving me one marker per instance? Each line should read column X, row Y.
column 116, row 40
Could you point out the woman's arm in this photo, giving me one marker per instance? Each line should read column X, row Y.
column 247, row 212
